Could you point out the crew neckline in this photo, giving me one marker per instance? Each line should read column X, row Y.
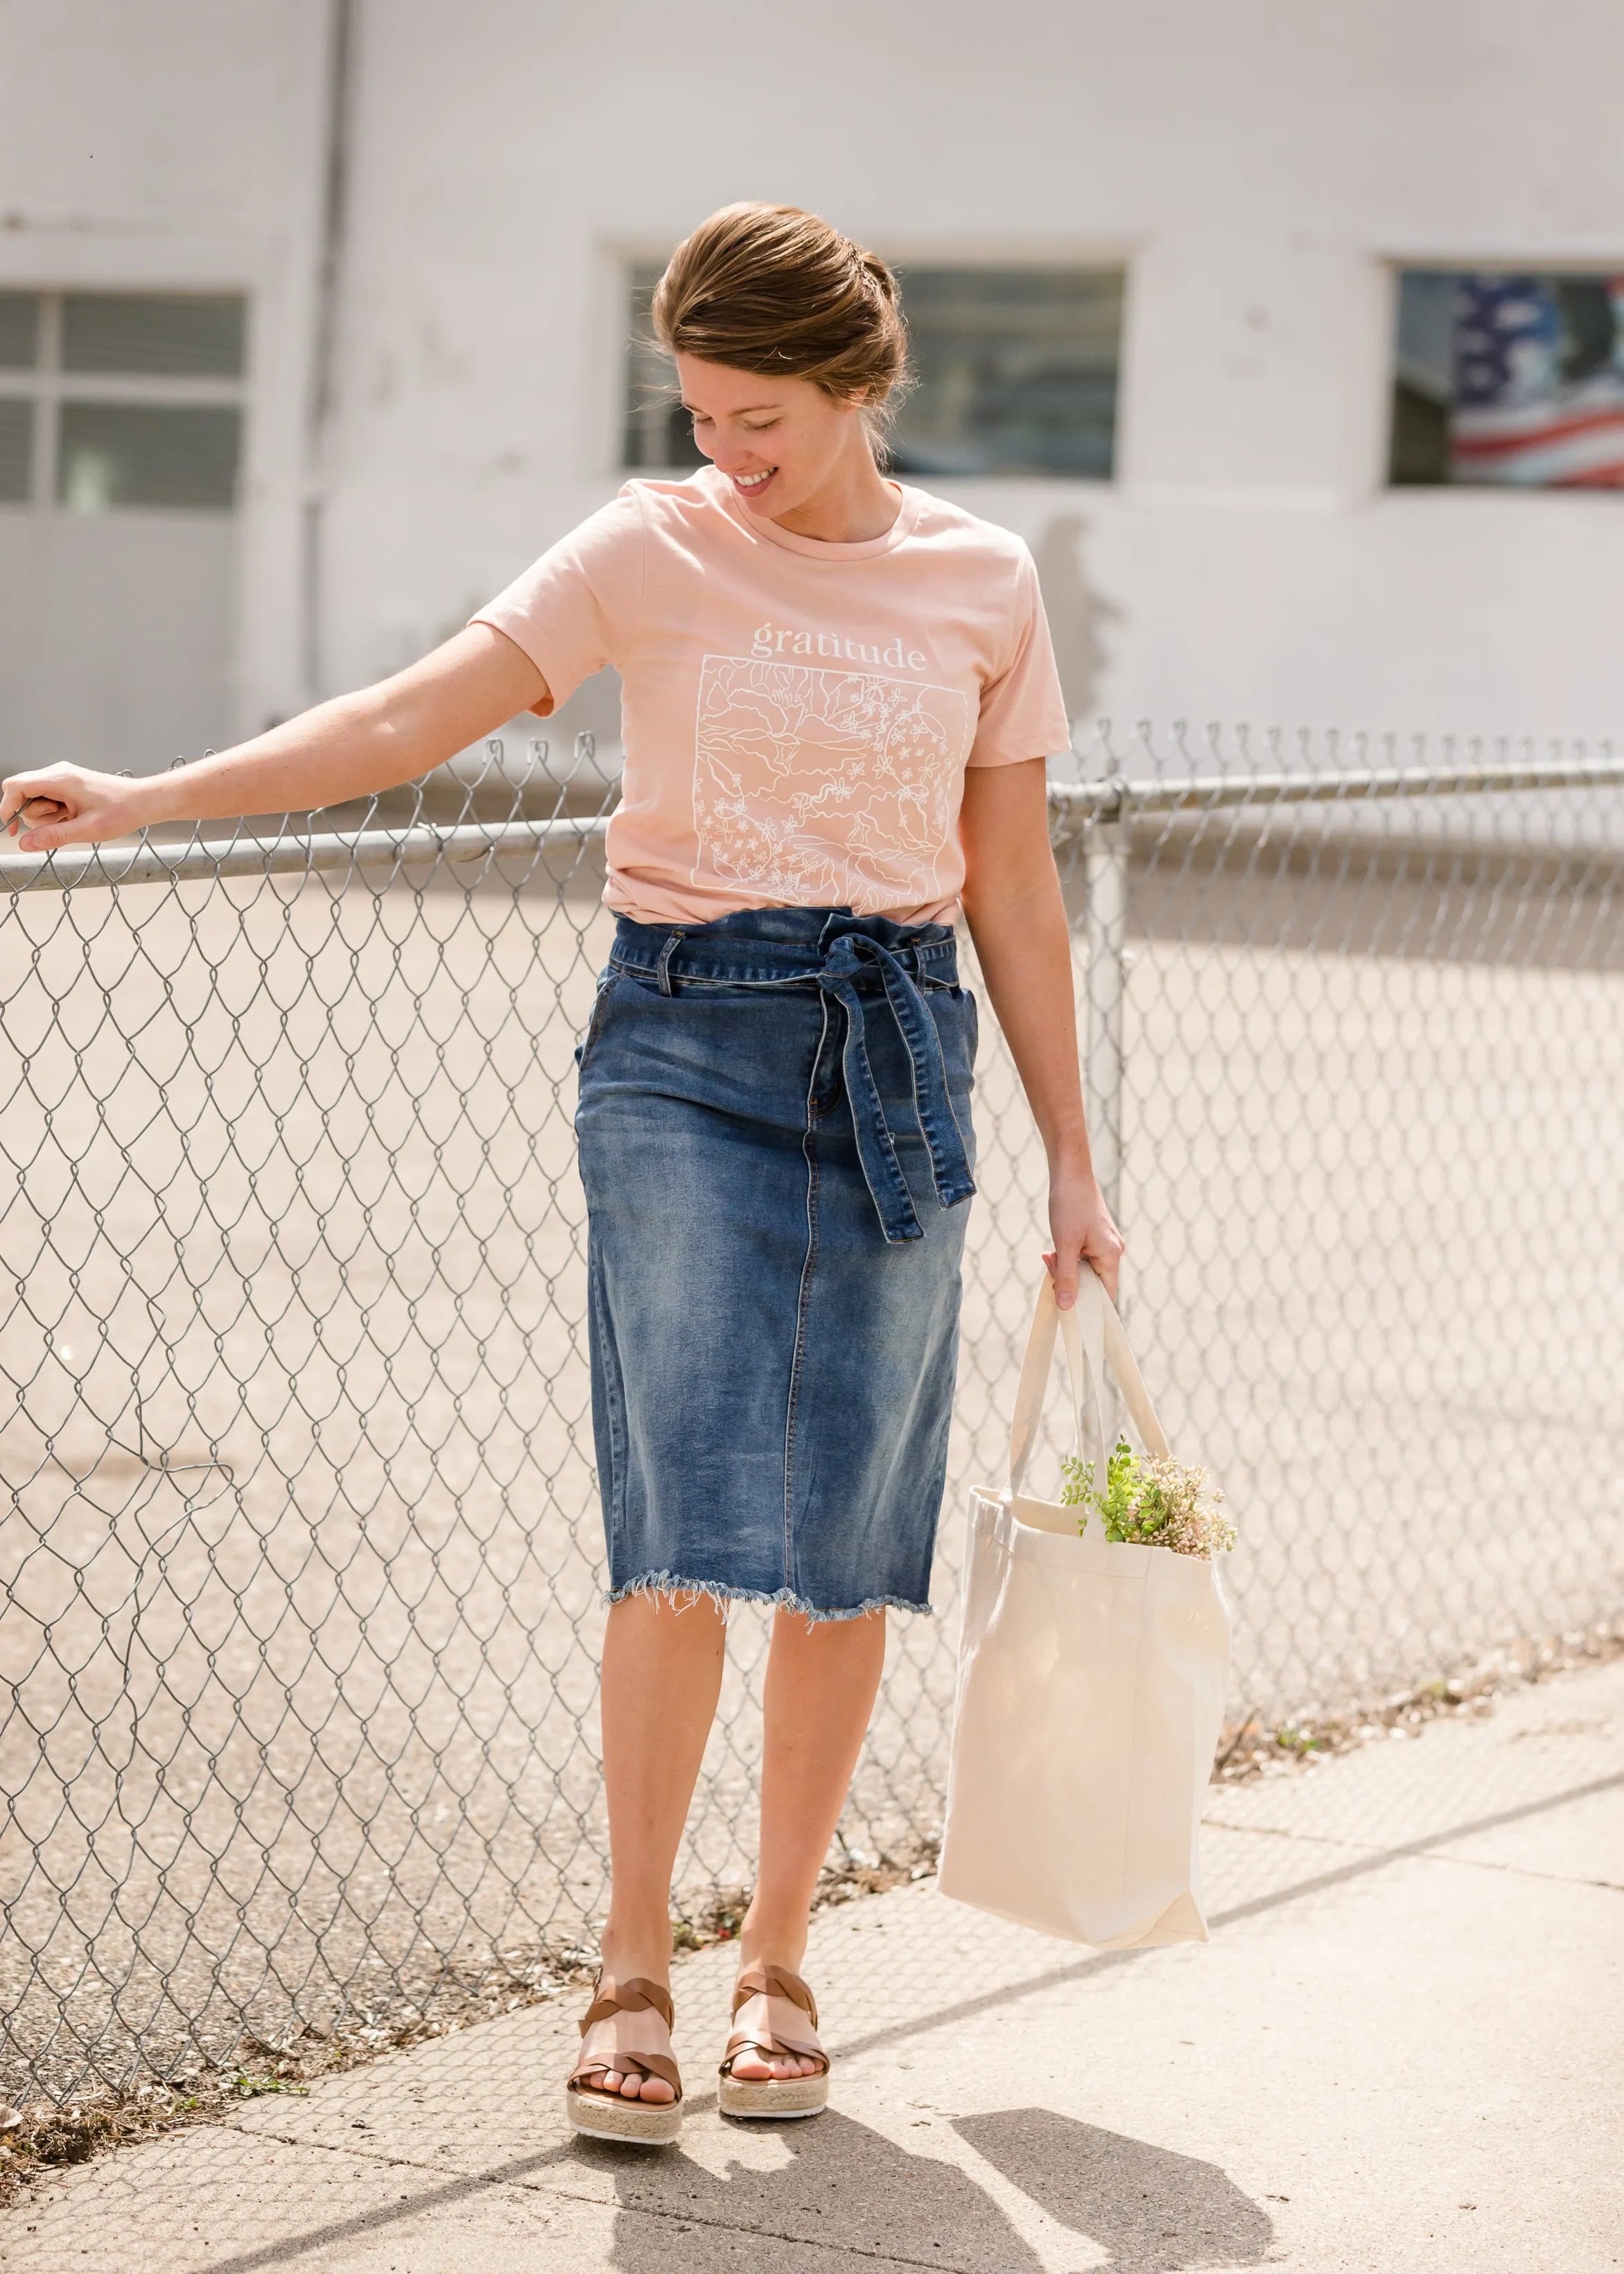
column 815, row 548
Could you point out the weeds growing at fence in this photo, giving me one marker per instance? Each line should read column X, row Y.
column 1248, row 1749
column 43, row 2136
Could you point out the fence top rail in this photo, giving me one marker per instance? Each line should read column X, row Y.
column 293, row 853
column 1074, row 804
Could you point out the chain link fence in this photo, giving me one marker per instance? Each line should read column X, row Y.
column 303, row 1557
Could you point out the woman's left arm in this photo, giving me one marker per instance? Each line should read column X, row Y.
column 1017, row 917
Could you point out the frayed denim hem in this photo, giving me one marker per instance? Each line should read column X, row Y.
column 667, row 1583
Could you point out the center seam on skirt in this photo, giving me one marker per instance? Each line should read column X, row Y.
column 809, row 1146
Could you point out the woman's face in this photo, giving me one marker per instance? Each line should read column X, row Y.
column 779, row 440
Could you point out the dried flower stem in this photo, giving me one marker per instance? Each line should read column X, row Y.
column 1150, row 1503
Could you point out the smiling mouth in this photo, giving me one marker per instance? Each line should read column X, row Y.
column 755, row 481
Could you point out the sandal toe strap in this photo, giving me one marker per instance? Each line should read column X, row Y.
column 777, row 2016
column 629, row 2033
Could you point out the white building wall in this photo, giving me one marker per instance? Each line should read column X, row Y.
column 1261, row 166
column 177, row 145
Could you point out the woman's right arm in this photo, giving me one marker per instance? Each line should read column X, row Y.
column 352, row 747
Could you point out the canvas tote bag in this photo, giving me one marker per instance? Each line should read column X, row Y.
column 1092, row 1678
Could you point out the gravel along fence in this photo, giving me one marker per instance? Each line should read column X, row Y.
column 302, row 1557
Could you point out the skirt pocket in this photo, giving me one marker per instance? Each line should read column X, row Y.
column 594, row 1025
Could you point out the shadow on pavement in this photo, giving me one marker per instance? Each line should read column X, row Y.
column 1154, row 2211
column 851, row 2190
column 842, row 2188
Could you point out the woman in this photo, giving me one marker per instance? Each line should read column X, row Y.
column 839, row 694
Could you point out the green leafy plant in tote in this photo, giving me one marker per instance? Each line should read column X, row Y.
column 1150, row 1504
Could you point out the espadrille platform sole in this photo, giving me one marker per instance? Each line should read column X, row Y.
column 782, row 2099
column 634, row 2123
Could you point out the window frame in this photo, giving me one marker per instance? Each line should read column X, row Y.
column 48, row 384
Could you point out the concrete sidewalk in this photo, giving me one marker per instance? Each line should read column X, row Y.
column 1403, row 2048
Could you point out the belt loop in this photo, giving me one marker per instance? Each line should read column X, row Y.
column 663, row 967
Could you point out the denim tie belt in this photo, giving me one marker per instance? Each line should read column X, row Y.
column 876, row 1147
column 846, row 950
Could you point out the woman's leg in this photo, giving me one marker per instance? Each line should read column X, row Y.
column 820, row 1690
column 662, row 1673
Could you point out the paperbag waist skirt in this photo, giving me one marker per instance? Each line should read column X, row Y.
column 776, row 1144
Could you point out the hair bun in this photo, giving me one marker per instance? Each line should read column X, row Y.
column 767, row 288
column 877, row 271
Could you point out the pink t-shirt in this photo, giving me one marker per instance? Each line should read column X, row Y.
column 798, row 716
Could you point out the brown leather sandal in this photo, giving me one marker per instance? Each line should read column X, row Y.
column 777, row 2017
column 629, row 2032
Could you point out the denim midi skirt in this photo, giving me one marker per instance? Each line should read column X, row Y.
column 775, row 1139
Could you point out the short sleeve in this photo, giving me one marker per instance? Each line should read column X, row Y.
column 576, row 608
column 1023, row 712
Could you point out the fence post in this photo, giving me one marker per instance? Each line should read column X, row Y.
column 1105, row 859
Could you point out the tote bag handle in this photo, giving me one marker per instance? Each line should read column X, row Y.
column 1092, row 1335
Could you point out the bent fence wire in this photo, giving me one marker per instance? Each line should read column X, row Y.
column 303, row 1558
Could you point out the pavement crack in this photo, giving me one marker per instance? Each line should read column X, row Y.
column 1423, row 1851
column 354, row 2147
column 541, row 2186
column 1282, row 1832
column 1525, row 1872
column 764, row 2233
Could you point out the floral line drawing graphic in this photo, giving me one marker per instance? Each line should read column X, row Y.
column 830, row 787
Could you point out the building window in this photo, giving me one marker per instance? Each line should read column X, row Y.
column 1507, row 377
column 16, row 449
column 1016, row 370
column 658, row 432
column 1016, row 374
column 112, row 401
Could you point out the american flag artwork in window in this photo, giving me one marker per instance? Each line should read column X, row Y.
column 1509, row 377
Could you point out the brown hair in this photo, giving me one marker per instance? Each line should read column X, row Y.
column 774, row 290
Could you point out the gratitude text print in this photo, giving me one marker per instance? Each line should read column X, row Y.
column 825, row 788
